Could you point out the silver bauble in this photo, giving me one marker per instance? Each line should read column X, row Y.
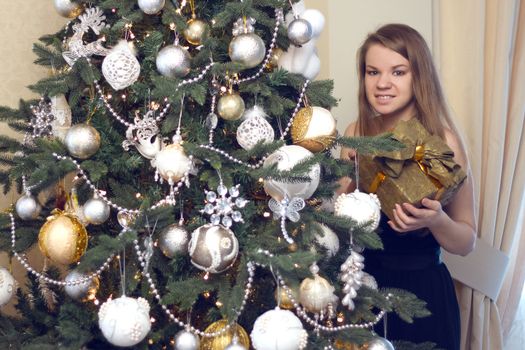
column 379, row 344
column 230, row 106
column 196, row 31
column 173, row 240
column 82, row 141
column 151, row 7
column 96, row 211
column 7, row 286
column 27, row 207
column 185, row 340
column 235, row 345
column 68, row 8
column 213, row 248
column 247, row 49
column 173, row 61
column 299, row 31
column 172, row 163
column 79, row 290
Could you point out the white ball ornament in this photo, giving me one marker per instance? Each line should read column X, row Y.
column 278, row 330
column 359, row 206
column 7, row 286
column 235, row 345
column 80, row 290
column 173, row 61
column 27, row 207
column 151, row 7
column 185, row 340
column 299, row 31
column 82, row 141
column 124, row 321
column 315, row 294
column 328, row 240
column 120, row 67
column 286, row 158
column 254, row 129
column 96, row 211
column 213, row 248
column 379, row 343
column 67, row 8
column 172, row 163
column 173, row 240
column 247, row 49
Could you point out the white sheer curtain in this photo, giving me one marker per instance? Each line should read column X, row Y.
column 481, row 54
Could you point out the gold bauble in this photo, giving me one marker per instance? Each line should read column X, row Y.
column 273, row 62
column 196, row 31
column 222, row 341
column 230, row 106
column 281, row 297
column 63, row 239
column 314, row 128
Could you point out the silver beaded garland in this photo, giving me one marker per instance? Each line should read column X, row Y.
column 173, row 61
column 299, row 31
column 82, row 141
column 27, row 207
column 96, row 211
column 174, row 240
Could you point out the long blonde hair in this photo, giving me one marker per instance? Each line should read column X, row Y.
column 428, row 95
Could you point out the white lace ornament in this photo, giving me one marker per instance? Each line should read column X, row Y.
column 254, row 128
column 121, row 68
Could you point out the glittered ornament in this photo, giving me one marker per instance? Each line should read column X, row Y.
column 247, row 49
column 299, row 31
column 273, row 62
column 254, row 129
column 286, row 158
column 151, row 7
column 125, row 219
column 81, row 290
column 225, row 339
column 124, row 321
column 27, row 207
column 96, row 211
column 196, row 31
column 278, row 330
column 378, row 343
column 82, row 141
column 186, row 340
column 314, row 128
column 63, row 239
column 230, row 106
column 7, row 286
column 68, row 8
column 173, row 240
column 213, row 248
column 316, row 294
column 121, row 68
column 172, row 163
column 173, row 61
column 359, row 206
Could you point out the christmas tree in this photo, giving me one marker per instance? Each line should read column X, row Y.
column 192, row 160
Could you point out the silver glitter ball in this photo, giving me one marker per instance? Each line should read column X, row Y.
column 151, row 7
column 27, row 207
column 80, row 290
column 379, row 344
column 299, row 31
column 96, row 211
column 230, row 106
column 185, row 340
column 196, row 31
column 173, row 240
column 82, row 141
column 213, row 248
column 68, row 8
column 173, row 61
column 247, row 49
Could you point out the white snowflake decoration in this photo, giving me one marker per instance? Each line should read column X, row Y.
column 222, row 204
column 42, row 118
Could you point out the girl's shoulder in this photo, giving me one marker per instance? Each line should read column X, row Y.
column 351, row 131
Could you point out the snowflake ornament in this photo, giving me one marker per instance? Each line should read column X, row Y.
column 222, row 205
column 41, row 120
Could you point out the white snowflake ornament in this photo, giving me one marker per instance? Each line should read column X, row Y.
column 222, row 205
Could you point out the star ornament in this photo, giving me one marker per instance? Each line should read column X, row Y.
column 222, row 205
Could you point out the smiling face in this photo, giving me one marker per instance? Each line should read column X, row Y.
column 388, row 84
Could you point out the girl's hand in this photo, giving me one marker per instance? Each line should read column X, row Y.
column 409, row 218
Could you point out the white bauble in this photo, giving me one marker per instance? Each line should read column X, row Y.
column 359, row 206
column 247, row 49
column 328, row 240
column 82, row 141
column 120, row 67
column 68, row 8
column 314, row 128
column 7, row 286
column 173, row 61
column 62, row 116
column 151, row 7
column 27, row 207
column 379, row 344
column 254, row 129
column 80, row 290
column 278, row 330
column 173, row 240
column 285, row 158
column 124, row 321
column 299, row 31
column 172, row 163
column 96, row 211
column 315, row 294
column 185, row 340
column 213, row 248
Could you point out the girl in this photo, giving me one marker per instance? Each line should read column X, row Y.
column 398, row 81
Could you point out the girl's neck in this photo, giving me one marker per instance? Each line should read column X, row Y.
column 386, row 122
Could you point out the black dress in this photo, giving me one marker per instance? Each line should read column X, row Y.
column 412, row 262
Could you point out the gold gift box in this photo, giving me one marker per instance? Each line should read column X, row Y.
column 424, row 168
